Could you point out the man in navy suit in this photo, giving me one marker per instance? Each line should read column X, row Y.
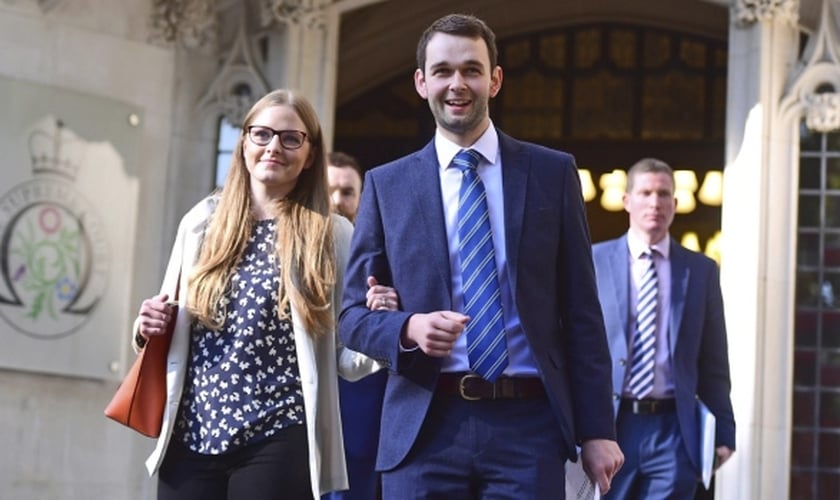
column 686, row 357
column 446, row 431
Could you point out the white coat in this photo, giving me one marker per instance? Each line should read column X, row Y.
column 319, row 360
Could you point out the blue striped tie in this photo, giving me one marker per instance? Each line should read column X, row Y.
column 486, row 343
column 644, row 338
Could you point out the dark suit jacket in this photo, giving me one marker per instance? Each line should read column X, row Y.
column 697, row 335
column 400, row 238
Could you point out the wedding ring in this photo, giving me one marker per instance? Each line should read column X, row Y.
column 383, row 302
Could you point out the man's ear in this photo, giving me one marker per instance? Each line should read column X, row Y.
column 495, row 81
column 420, row 83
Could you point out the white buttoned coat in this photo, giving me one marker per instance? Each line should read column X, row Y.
column 319, row 360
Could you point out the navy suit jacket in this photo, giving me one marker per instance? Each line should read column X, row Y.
column 696, row 334
column 400, row 237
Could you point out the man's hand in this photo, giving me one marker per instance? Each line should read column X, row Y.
column 723, row 454
column 601, row 460
column 435, row 332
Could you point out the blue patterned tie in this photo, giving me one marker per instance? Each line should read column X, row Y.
column 486, row 344
column 644, row 338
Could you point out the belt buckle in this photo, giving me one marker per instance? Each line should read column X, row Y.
column 461, row 387
column 640, row 407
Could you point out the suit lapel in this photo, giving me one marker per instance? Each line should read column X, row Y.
column 680, row 274
column 620, row 274
column 424, row 174
column 516, row 164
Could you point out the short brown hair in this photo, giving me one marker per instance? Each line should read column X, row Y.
column 341, row 159
column 459, row 25
column 648, row 165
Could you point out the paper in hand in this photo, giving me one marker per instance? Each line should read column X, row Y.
column 578, row 484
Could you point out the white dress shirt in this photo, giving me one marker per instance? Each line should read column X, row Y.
column 663, row 382
column 520, row 360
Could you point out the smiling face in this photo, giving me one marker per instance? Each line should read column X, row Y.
column 651, row 205
column 274, row 170
column 458, row 82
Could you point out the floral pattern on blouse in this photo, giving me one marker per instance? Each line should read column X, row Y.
column 243, row 382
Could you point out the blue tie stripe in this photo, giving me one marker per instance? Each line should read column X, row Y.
column 482, row 306
column 486, row 343
column 478, row 300
column 482, row 271
column 470, row 255
column 640, row 382
column 467, row 219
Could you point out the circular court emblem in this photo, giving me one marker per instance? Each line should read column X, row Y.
column 54, row 258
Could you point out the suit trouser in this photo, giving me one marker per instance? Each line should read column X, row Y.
column 656, row 462
column 361, row 410
column 502, row 449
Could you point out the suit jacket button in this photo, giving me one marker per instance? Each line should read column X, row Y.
column 622, row 362
column 616, row 396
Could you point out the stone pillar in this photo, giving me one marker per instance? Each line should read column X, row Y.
column 308, row 52
column 311, row 30
column 759, row 246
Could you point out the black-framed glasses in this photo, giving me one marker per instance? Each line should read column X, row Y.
column 289, row 139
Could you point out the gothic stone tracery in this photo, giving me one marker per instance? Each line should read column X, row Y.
column 747, row 12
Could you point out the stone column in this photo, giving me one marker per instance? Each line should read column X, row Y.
column 759, row 246
column 311, row 30
column 306, row 59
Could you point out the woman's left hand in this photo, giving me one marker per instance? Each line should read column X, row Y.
column 381, row 297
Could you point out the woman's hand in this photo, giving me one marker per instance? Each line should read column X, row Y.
column 155, row 315
column 380, row 297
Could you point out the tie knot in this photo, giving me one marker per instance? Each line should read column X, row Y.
column 466, row 159
column 649, row 253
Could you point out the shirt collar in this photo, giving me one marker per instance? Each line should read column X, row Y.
column 638, row 247
column 487, row 145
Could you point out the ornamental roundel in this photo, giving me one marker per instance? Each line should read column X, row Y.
column 53, row 249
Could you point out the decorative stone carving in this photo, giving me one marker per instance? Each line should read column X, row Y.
column 235, row 104
column 814, row 89
column 746, row 12
column 822, row 112
column 238, row 83
column 189, row 22
column 308, row 13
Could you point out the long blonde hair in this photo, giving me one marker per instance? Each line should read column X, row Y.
column 304, row 239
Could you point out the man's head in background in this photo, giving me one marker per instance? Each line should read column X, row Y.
column 345, row 184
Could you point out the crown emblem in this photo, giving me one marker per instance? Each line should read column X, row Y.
column 55, row 150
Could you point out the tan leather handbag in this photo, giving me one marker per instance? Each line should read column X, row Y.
column 141, row 397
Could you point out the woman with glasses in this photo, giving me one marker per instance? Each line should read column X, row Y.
column 252, row 408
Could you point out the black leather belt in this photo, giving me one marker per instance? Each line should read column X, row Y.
column 648, row 406
column 472, row 387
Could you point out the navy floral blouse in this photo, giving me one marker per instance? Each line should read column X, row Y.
column 243, row 382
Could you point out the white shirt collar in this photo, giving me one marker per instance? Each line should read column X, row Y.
column 487, row 145
column 638, row 247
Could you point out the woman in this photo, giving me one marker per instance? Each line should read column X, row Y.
column 252, row 409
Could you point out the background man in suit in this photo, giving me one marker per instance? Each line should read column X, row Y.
column 452, row 426
column 361, row 401
column 664, row 317
column 345, row 183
